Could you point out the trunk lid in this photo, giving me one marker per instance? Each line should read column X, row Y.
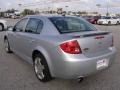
column 94, row 41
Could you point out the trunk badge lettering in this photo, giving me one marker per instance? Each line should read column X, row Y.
column 86, row 49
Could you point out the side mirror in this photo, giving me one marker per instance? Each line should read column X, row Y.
column 10, row 28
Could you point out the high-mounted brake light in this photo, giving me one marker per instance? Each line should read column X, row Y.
column 71, row 47
column 99, row 37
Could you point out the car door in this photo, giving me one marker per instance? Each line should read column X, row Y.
column 30, row 36
column 14, row 36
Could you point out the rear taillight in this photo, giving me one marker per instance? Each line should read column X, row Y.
column 71, row 47
column 112, row 42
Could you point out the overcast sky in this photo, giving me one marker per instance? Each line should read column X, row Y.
column 88, row 5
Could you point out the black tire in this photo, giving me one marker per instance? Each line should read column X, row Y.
column 7, row 46
column 109, row 23
column 117, row 23
column 47, row 76
column 2, row 27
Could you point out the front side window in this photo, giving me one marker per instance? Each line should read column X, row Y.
column 34, row 26
column 71, row 24
column 20, row 25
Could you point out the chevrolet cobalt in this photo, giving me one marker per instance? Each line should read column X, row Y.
column 60, row 46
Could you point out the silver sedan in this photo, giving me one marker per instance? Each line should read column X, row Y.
column 60, row 46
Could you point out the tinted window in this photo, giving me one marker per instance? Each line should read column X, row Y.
column 96, row 17
column 108, row 17
column 71, row 24
column 40, row 26
column 114, row 17
column 34, row 26
column 102, row 17
column 105, row 17
column 20, row 25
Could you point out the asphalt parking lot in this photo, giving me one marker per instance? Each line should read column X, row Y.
column 16, row 74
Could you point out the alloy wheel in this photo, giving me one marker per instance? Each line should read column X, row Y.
column 39, row 68
column 6, row 45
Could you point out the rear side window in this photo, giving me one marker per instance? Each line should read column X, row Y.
column 34, row 26
column 71, row 24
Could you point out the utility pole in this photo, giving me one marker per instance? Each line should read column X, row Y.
column 98, row 5
column 66, row 9
column 19, row 6
column 107, row 8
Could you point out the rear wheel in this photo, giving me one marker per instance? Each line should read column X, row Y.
column 1, row 27
column 41, row 68
column 117, row 23
column 7, row 46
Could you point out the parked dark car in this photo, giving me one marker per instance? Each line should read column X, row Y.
column 92, row 19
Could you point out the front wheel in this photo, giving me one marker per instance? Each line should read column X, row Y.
column 41, row 68
column 7, row 46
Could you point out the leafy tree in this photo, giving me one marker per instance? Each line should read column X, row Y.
column 28, row 12
column 107, row 14
column 36, row 12
column 1, row 14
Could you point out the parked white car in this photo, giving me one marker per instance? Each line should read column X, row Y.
column 109, row 20
column 3, row 24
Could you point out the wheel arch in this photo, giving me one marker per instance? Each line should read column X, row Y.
column 44, row 53
column 2, row 24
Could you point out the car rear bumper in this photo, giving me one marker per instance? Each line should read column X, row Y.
column 74, row 68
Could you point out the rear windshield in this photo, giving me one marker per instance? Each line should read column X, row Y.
column 71, row 24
